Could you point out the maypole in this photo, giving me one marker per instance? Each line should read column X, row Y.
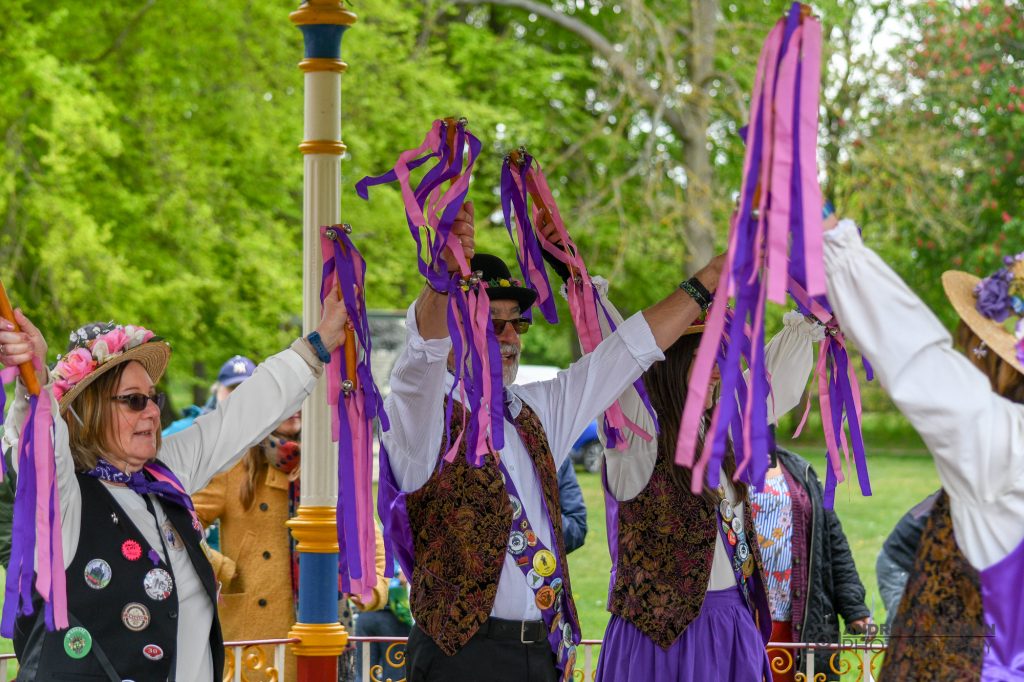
column 322, row 638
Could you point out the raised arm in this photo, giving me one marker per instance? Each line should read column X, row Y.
column 415, row 406
column 276, row 390
column 975, row 435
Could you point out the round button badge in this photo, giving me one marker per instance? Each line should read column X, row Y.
column 97, row 574
column 516, row 542
column 158, row 584
column 517, row 506
column 534, row 579
column 135, row 616
column 726, row 510
column 77, row 642
column 153, row 652
column 737, row 525
column 171, row 536
column 544, row 562
column 131, row 550
column 545, row 598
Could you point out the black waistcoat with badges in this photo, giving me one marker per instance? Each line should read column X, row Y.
column 110, row 597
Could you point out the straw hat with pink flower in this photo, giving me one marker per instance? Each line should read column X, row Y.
column 993, row 308
column 99, row 347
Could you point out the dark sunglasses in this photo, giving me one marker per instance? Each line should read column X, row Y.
column 137, row 402
column 521, row 325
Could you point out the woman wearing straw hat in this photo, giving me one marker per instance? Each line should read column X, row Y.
column 962, row 614
column 140, row 592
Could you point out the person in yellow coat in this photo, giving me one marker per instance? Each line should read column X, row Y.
column 256, row 562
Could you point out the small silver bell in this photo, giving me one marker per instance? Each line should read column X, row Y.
column 347, row 386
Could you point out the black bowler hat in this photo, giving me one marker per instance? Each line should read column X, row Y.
column 500, row 285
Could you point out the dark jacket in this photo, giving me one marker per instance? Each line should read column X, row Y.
column 574, row 512
column 832, row 587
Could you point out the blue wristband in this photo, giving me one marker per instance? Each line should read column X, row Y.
column 827, row 209
column 318, row 346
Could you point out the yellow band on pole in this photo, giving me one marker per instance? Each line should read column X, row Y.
column 323, row 147
column 318, row 639
column 314, row 530
column 311, row 64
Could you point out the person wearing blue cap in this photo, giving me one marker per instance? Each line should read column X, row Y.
column 233, row 372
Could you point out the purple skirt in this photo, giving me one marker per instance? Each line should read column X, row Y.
column 722, row 644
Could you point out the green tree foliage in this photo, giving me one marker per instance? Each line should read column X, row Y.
column 150, row 170
column 932, row 161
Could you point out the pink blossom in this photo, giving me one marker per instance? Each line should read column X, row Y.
column 60, row 387
column 115, row 340
column 76, row 365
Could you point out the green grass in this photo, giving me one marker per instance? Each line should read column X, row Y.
column 899, row 481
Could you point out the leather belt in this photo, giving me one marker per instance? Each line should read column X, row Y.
column 524, row 631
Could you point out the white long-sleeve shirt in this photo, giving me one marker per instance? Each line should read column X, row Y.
column 214, row 443
column 975, row 436
column 788, row 358
column 565, row 406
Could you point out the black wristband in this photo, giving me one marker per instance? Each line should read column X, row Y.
column 319, row 347
column 560, row 268
column 697, row 291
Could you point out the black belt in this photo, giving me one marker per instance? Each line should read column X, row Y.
column 524, row 631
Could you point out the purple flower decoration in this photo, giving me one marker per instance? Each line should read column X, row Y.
column 994, row 296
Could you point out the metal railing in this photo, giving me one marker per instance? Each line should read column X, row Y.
column 265, row 659
column 858, row 662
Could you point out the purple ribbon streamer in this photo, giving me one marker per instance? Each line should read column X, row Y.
column 21, row 568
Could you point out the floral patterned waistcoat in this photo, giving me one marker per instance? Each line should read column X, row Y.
column 937, row 632
column 460, row 520
column 666, row 545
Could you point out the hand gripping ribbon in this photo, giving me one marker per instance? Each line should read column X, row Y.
column 36, row 538
column 430, row 211
column 353, row 394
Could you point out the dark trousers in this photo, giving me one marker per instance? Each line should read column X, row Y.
column 483, row 659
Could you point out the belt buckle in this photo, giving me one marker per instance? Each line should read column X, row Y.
column 522, row 633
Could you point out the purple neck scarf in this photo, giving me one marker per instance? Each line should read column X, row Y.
column 164, row 485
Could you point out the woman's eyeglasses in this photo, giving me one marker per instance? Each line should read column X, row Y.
column 520, row 324
column 137, row 402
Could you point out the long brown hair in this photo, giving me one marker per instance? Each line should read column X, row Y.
column 256, row 466
column 93, row 437
column 1004, row 377
column 667, row 383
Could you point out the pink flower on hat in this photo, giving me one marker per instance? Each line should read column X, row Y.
column 76, row 365
column 111, row 343
column 60, row 387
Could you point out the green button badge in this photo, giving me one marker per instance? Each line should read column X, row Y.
column 77, row 642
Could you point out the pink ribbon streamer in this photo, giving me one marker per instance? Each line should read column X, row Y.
column 775, row 244
column 584, row 301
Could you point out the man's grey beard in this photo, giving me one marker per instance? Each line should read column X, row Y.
column 509, row 372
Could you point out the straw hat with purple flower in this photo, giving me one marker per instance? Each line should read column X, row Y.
column 993, row 308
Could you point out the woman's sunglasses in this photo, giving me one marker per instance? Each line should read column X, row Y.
column 521, row 325
column 137, row 402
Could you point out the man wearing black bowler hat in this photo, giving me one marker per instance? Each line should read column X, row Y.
column 490, row 589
